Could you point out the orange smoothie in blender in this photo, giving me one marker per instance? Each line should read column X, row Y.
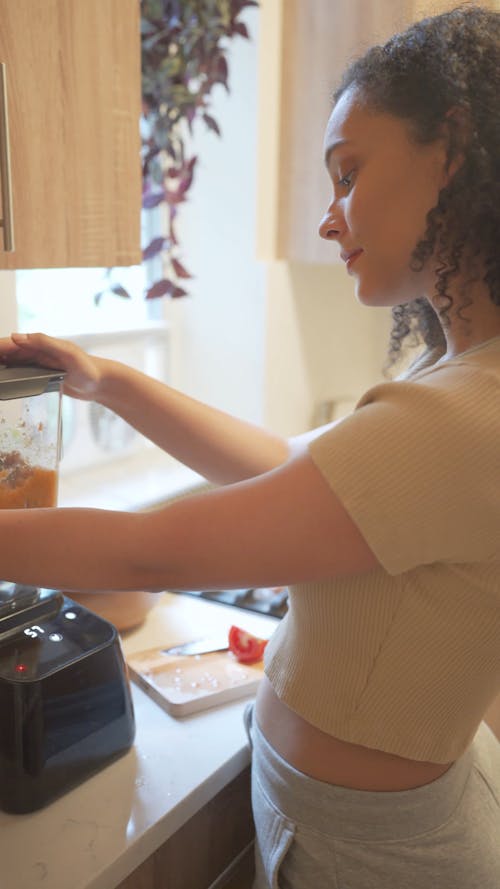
column 23, row 485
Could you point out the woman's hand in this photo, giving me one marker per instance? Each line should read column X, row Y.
column 83, row 372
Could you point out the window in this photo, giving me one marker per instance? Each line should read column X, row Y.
column 62, row 302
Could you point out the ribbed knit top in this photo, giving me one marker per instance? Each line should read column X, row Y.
column 406, row 658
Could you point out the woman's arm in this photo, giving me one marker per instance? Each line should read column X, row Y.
column 285, row 526
column 279, row 523
column 222, row 448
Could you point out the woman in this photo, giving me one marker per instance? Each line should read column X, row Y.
column 371, row 766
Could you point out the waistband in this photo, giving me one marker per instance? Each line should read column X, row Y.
column 358, row 814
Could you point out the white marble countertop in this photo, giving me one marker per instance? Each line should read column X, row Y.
column 95, row 835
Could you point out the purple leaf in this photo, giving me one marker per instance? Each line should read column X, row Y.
column 153, row 200
column 179, row 269
column 120, row 291
column 185, row 183
column 178, row 291
column 240, row 28
column 222, row 69
column 211, row 123
column 160, row 288
column 175, row 197
column 155, row 247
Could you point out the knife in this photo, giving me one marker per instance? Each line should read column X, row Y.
column 199, row 646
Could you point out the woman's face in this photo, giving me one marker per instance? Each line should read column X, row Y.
column 383, row 187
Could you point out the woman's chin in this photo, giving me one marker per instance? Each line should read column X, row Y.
column 381, row 297
column 373, row 298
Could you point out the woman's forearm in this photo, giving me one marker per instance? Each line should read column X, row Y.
column 222, row 448
column 283, row 527
column 72, row 549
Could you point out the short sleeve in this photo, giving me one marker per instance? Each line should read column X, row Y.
column 417, row 467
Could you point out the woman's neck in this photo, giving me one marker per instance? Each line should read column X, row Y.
column 469, row 325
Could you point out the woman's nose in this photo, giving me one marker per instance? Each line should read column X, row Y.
column 329, row 227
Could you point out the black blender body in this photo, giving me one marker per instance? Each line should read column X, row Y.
column 66, row 706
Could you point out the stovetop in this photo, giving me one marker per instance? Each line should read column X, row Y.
column 265, row 600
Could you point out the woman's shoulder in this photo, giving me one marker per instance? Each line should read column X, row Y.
column 454, row 402
column 483, row 357
column 467, row 381
column 417, row 456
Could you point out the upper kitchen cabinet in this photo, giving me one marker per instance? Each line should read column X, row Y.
column 304, row 47
column 73, row 98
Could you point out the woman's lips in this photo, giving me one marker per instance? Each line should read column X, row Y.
column 351, row 259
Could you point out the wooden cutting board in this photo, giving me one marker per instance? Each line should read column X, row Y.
column 184, row 684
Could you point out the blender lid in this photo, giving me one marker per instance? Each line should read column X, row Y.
column 26, row 380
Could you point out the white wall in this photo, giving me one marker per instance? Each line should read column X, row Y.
column 321, row 344
column 219, row 356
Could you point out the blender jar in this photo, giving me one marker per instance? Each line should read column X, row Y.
column 30, row 436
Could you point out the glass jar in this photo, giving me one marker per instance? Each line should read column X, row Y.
column 30, row 436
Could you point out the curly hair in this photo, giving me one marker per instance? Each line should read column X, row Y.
column 444, row 70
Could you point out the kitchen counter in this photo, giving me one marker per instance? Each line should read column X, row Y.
column 95, row 836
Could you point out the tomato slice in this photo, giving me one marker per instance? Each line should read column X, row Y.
column 245, row 646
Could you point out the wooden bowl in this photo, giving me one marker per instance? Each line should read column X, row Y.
column 125, row 610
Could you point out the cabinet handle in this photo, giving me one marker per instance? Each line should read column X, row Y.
column 7, row 222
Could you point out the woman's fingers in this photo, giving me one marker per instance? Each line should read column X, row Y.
column 39, row 348
column 43, row 345
column 11, row 353
column 18, row 350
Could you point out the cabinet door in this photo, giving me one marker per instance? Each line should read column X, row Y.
column 73, row 88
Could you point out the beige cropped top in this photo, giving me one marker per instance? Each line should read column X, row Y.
column 406, row 658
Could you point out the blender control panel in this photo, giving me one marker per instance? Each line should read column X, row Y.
column 46, row 645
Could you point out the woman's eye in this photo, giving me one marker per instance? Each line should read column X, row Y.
column 346, row 181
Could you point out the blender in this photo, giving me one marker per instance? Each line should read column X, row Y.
column 65, row 701
column 30, row 445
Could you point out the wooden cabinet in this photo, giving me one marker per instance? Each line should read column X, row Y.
column 304, row 48
column 73, row 92
column 213, row 849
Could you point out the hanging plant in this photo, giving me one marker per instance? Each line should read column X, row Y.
column 184, row 56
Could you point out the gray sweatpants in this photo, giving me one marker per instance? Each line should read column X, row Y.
column 313, row 835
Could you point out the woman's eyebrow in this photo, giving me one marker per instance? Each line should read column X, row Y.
column 332, row 148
